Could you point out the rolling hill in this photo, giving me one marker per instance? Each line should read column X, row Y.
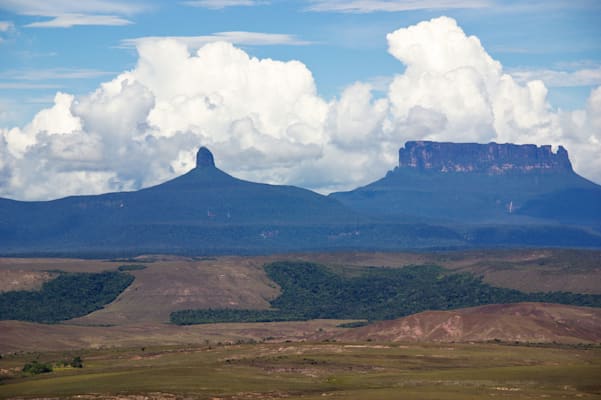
column 353, row 281
column 521, row 322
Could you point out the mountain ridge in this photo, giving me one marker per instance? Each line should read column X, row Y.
column 207, row 211
column 200, row 209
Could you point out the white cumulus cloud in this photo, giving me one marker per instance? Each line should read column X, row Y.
column 264, row 120
column 453, row 90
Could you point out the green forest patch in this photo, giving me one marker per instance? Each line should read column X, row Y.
column 69, row 295
column 313, row 291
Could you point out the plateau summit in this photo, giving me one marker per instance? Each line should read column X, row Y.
column 483, row 183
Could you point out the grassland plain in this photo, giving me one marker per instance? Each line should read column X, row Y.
column 321, row 370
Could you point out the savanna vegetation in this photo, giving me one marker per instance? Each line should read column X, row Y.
column 320, row 370
column 312, row 291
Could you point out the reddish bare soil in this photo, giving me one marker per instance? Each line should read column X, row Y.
column 522, row 322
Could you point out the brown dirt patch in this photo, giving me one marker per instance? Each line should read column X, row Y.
column 25, row 336
column 11, row 280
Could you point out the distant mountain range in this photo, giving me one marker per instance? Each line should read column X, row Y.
column 442, row 195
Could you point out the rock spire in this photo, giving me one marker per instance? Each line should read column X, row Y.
column 204, row 158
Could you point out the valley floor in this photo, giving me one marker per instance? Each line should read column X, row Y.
column 130, row 351
column 319, row 370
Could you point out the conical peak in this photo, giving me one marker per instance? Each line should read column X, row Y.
column 204, row 158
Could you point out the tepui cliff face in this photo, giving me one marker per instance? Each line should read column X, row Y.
column 479, row 183
column 491, row 158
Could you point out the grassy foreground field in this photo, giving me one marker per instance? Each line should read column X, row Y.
column 315, row 371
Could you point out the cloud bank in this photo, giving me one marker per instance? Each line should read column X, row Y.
column 234, row 37
column 220, row 4
column 265, row 122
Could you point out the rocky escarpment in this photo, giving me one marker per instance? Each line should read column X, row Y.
column 480, row 183
column 491, row 158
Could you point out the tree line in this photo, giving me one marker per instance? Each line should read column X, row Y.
column 311, row 291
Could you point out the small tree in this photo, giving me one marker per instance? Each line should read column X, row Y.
column 76, row 362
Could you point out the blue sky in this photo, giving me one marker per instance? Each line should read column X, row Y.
column 339, row 44
column 126, row 87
